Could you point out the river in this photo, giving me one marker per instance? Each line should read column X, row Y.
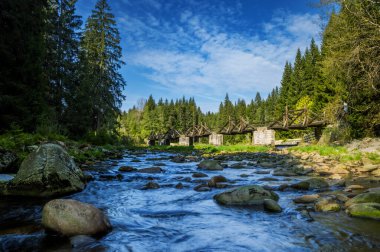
column 170, row 219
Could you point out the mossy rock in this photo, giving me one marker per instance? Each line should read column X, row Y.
column 365, row 210
column 245, row 195
column 370, row 197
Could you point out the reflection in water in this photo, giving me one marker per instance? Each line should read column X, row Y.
column 170, row 219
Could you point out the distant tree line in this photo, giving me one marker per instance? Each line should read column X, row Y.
column 55, row 76
column 344, row 70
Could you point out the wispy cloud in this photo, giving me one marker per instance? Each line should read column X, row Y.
column 194, row 53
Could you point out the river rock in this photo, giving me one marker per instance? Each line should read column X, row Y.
column 272, row 206
column 262, row 172
column 245, row 195
column 310, row 184
column 202, row 188
column 268, row 179
column 212, row 165
column 215, row 180
column 199, row 175
column 178, row 159
column 368, row 168
column 239, row 165
column 8, row 161
column 179, row 186
column 127, row 169
column 48, row 171
column 151, row 185
column 365, row 210
column 370, row 197
column 305, row 199
column 70, row 218
column 151, row 170
column 327, row 204
column 376, row 173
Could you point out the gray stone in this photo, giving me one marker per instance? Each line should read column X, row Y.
column 151, row 170
column 151, row 185
column 212, row 165
column 47, row 172
column 215, row 180
column 245, row 195
column 305, row 199
column 70, row 218
column 312, row 183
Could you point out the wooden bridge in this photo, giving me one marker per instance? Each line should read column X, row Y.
column 300, row 119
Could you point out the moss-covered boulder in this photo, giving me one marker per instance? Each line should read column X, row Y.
column 212, row 165
column 46, row 172
column 245, row 195
column 370, row 197
column 310, row 184
column 327, row 204
column 70, row 217
column 365, row 210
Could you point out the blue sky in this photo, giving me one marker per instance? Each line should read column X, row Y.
column 207, row 48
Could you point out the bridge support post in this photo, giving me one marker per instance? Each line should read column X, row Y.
column 263, row 136
column 215, row 139
column 185, row 141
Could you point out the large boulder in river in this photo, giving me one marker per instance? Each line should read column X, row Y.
column 46, row 172
column 212, row 165
column 245, row 195
column 71, row 217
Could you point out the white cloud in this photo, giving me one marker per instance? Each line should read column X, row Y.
column 196, row 57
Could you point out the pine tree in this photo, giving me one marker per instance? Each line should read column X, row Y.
column 101, row 61
column 62, row 57
column 23, row 84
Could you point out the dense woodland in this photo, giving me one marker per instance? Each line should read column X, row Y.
column 344, row 69
column 60, row 76
column 55, row 75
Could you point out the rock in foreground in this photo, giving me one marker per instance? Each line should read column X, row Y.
column 46, row 172
column 245, row 195
column 70, row 217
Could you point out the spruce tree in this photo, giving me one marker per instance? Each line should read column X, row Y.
column 23, row 84
column 101, row 59
column 62, row 57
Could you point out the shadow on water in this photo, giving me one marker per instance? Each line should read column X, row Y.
column 170, row 219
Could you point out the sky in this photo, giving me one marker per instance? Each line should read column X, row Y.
column 207, row 48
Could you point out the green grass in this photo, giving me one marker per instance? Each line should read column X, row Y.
column 206, row 148
column 323, row 150
column 339, row 152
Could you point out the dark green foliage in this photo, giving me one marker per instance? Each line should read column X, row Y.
column 22, row 50
column 50, row 82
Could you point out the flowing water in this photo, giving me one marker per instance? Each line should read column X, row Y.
column 170, row 219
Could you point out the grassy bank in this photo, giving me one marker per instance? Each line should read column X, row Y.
column 340, row 153
column 22, row 143
column 210, row 149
